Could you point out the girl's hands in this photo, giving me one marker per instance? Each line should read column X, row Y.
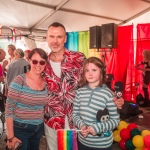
column 91, row 130
column 84, row 131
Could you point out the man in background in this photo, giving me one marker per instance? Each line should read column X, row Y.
column 17, row 67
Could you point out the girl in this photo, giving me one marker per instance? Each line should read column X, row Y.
column 93, row 96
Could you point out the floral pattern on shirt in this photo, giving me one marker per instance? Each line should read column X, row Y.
column 62, row 90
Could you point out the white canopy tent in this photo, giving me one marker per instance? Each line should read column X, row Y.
column 32, row 17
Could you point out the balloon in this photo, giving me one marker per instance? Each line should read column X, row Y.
column 132, row 126
column 122, row 125
column 129, row 145
column 122, row 144
column 125, row 134
column 138, row 141
column 146, row 148
column 147, row 141
column 116, row 132
column 138, row 149
column 145, row 132
column 135, row 132
column 116, row 135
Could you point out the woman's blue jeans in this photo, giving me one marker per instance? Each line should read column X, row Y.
column 29, row 134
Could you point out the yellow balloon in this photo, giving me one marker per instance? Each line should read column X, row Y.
column 117, row 137
column 122, row 125
column 116, row 132
column 138, row 141
column 145, row 132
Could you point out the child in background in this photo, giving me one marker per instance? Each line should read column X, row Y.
column 93, row 96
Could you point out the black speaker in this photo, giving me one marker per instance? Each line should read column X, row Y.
column 109, row 35
column 95, row 37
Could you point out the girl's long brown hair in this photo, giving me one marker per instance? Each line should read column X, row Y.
column 96, row 61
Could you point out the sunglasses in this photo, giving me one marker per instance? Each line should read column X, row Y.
column 41, row 62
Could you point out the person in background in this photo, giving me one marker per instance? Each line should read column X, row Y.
column 94, row 95
column 62, row 75
column 27, row 96
column 26, row 53
column 17, row 67
column 146, row 75
column 2, row 57
column 6, row 62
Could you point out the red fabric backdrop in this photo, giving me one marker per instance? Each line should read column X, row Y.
column 120, row 62
column 143, row 42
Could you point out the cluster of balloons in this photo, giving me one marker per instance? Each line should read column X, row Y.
column 130, row 137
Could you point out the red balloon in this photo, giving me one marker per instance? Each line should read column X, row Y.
column 147, row 141
column 125, row 134
column 122, row 144
column 146, row 148
column 132, row 126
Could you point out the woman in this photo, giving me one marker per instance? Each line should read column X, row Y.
column 27, row 96
column 146, row 75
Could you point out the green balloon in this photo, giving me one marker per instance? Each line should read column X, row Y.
column 135, row 132
column 129, row 145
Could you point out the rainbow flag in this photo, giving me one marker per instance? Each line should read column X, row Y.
column 67, row 139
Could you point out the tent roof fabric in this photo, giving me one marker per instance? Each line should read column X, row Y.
column 32, row 17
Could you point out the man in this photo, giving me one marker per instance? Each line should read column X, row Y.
column 62, row 75
column 17, row 67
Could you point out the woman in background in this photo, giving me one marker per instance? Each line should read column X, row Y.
column 146, row 75
column 6, row 62
column 2, row 57
column 26, row 53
